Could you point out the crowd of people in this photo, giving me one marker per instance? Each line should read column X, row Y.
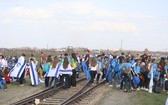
column 126, row 72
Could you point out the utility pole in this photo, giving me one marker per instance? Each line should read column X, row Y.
column 121, row 44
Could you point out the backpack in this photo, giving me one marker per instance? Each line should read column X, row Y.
column 166, row 85
column 157, row 88
column 136, row 80
column 125, row 71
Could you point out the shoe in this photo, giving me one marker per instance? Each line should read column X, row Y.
column 73, row 88
column 117, row 86
column 107, row 84
column 138, row 89
column 110, row 85
column 141, row 88
column 150, row 92
column 146, row 89
column 21, row 85
column 31, row 85
column 41, row 81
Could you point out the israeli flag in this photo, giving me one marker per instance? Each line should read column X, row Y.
column 18, row 68
column 53, row 72
column 166, row 102
column 68, row 70
column 151, row 80
column 33, row 73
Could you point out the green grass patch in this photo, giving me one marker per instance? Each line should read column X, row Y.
column 145, row 98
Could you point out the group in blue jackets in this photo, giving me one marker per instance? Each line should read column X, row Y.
column 130, row 72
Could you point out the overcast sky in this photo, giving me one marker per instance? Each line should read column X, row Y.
column 95, row 24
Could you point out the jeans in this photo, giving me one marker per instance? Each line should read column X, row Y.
column 111, row 77
column 47, row 81
column 126, row 80
column 55, row 79
column 117, row 78
column 92, row 74
column 162, row 83
column 1, row 83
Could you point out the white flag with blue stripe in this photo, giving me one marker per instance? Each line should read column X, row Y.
column 33, row 73
column 18, row 68
column 68, row 70
column 53, row 72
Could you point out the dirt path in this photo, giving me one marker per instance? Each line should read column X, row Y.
column 116, row 97
column 15, row 92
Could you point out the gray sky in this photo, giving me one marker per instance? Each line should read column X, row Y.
column 95, row 24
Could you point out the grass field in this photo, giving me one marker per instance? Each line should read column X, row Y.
column 145, row 98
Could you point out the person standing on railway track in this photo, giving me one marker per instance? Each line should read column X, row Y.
column 93, row 69
column 87, row 58
column 46, row 67
column 53, row 72
column 74, row 63
column 65, row 73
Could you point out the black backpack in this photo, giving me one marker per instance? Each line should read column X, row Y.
column 166, row 85
column 157, row 88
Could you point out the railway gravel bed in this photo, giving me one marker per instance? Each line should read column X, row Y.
column 103, row 95
column 15, row 92
column 64, row 94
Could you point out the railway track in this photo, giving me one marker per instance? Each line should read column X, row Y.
column 63, row 96
column 60, row 96
column 84, row 96
column 41, row 95
column 70, row 97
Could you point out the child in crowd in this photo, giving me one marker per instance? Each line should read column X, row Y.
column 2, row 81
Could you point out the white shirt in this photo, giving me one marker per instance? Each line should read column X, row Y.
column 94, row 68
column 2, row 63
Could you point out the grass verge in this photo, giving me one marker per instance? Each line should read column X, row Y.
column 145, row 98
